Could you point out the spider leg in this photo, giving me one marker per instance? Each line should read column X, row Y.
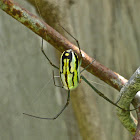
column 102, row 95
column 73, row 38
column 47, row 56
column 87, row 66
column 118, row 99
column 53, row 118
column 54, row 81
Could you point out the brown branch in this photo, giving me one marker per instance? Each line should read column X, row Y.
column 59, row 42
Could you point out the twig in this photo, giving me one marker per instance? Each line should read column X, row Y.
column 128, row 93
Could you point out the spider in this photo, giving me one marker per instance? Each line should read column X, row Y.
column 70, row 76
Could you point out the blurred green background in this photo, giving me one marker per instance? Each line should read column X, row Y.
column 107, row 30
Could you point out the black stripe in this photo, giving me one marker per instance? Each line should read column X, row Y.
column 66, row 79
column 62, row 64
column 73, row 78
column 76, row 62
column 70, row 60
column 67, row 57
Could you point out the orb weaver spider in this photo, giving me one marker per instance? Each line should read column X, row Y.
column 70, row 76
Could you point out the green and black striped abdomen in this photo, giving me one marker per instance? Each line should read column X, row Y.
column 69, row 70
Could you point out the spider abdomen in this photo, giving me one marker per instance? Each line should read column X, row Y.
column 69, row 70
